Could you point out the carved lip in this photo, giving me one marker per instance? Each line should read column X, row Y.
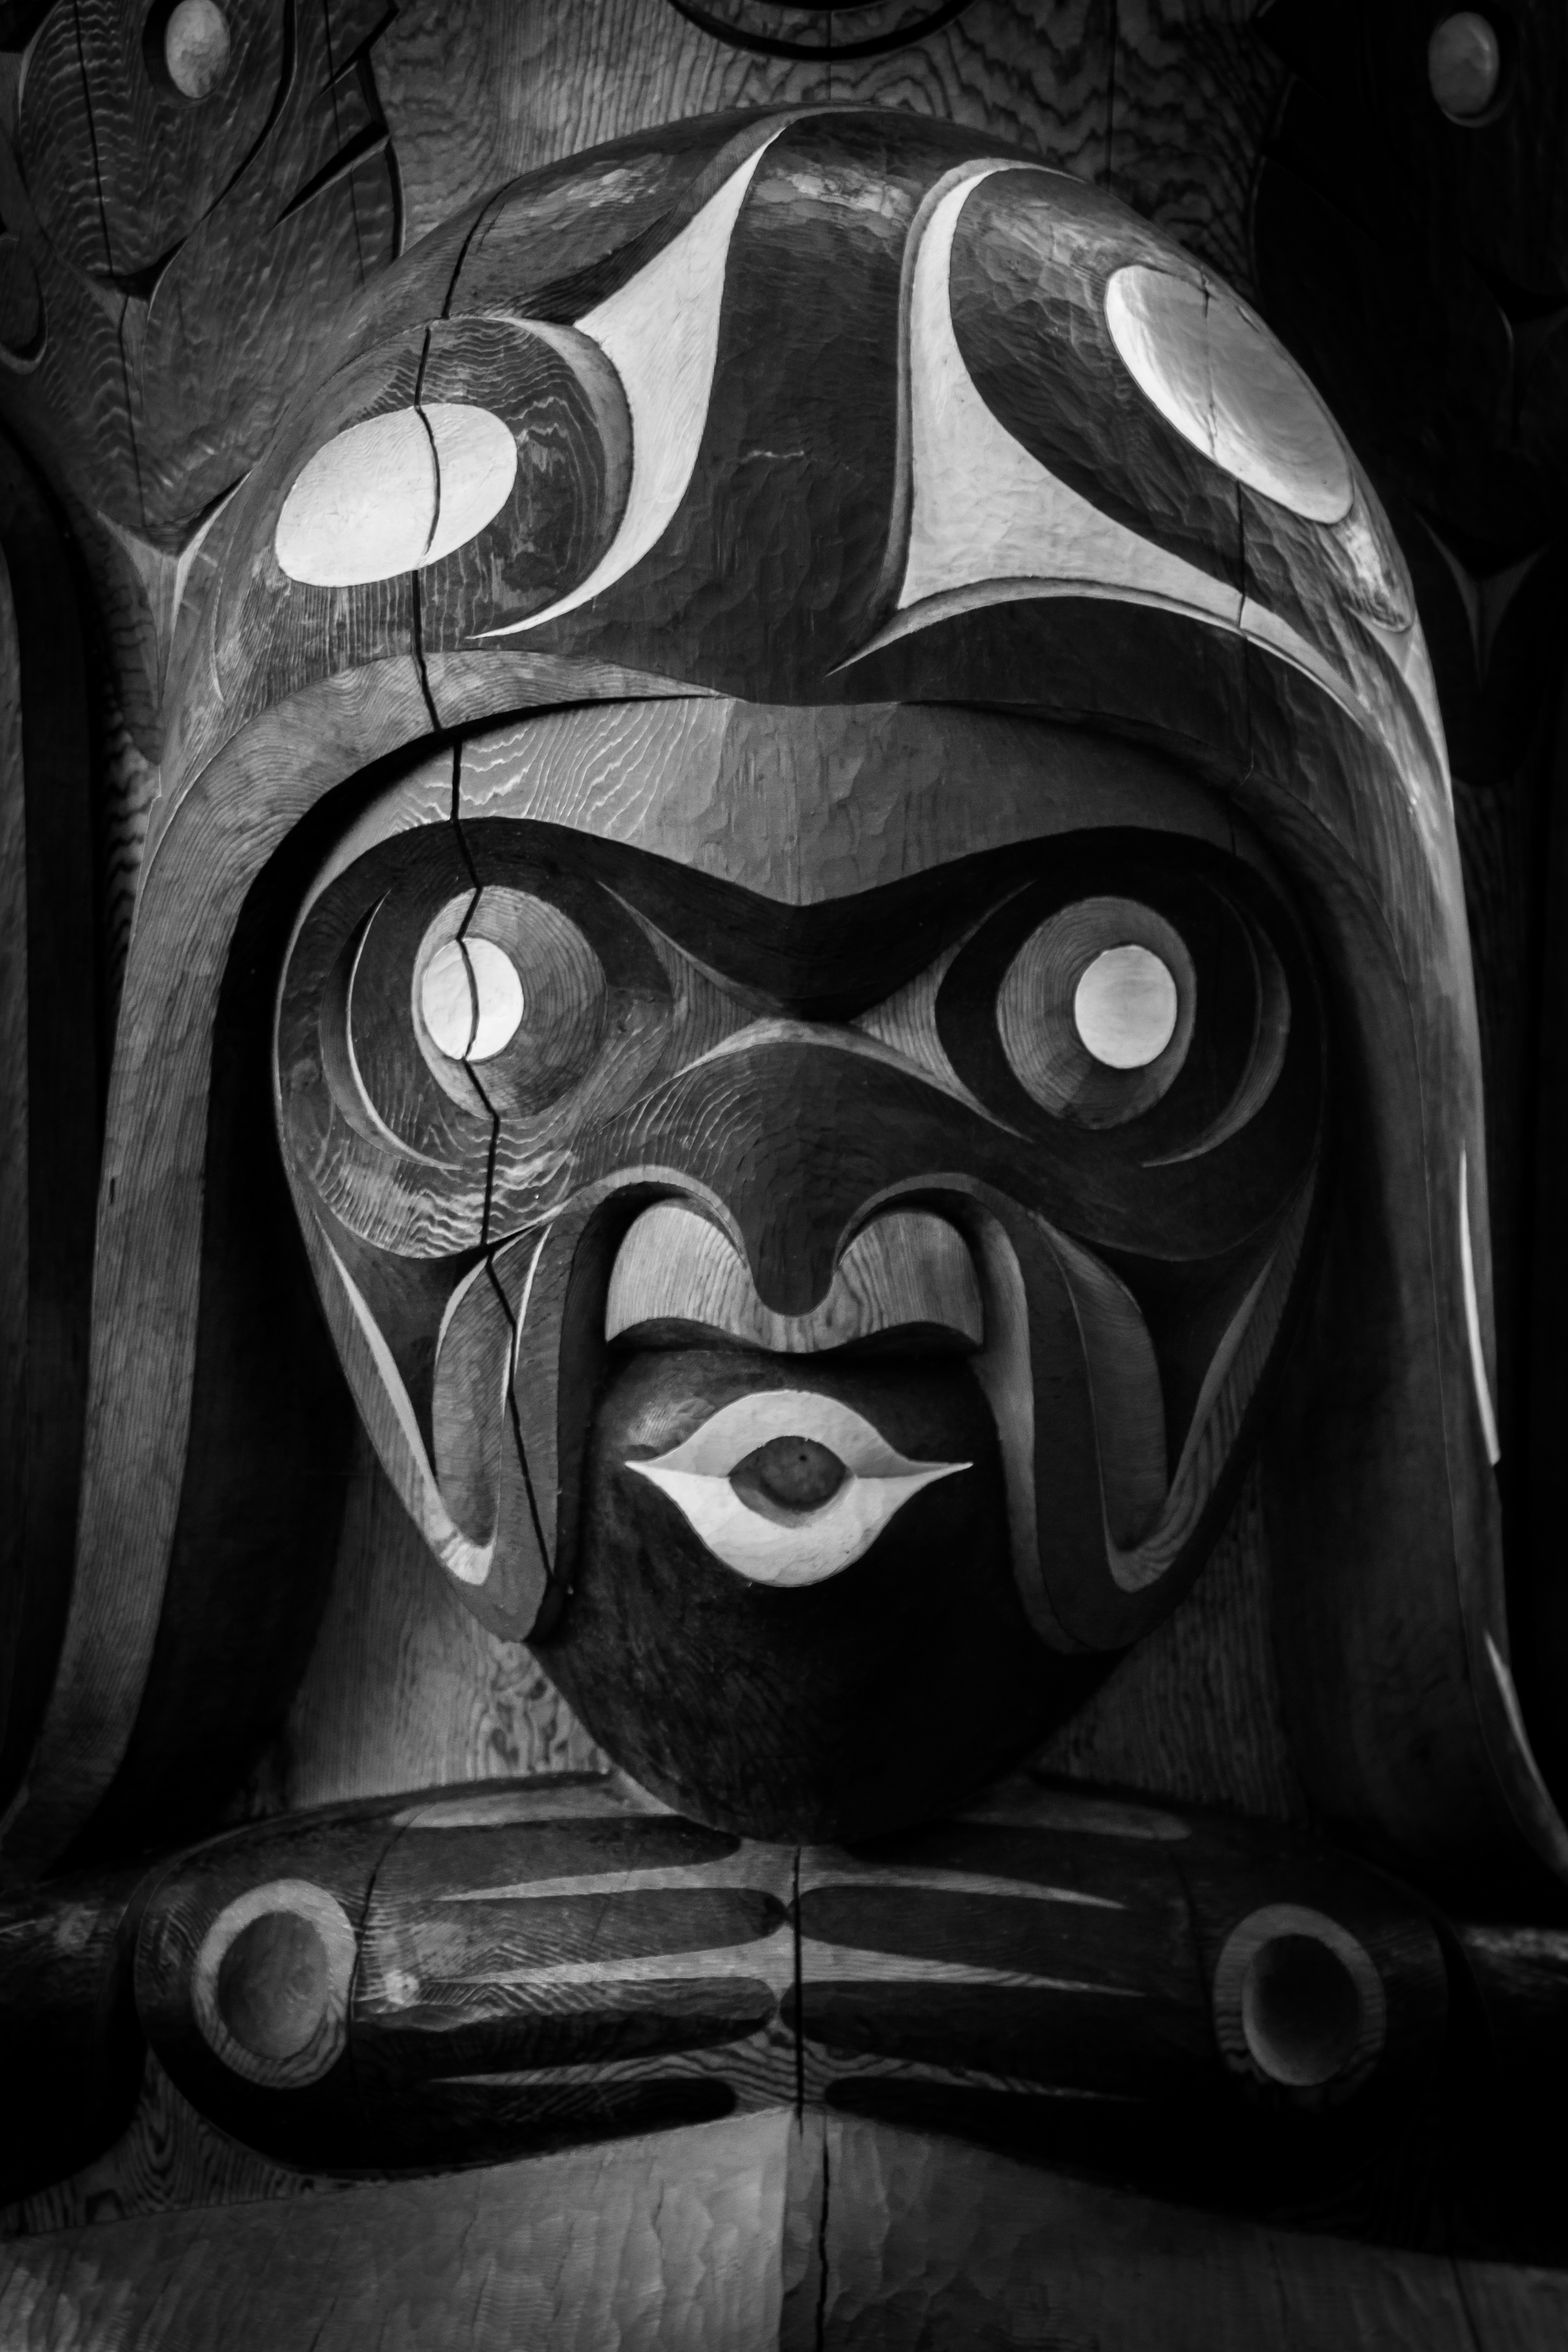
column 775, row 1545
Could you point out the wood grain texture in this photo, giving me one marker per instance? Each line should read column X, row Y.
column 405, row 1689
column 49, row 1094
column 110, row 1635
column 691, row 1091
column 158, row 204
column 212, row 842
column 1039, row 2262
column 1195, row 95
column 1193, row 1712
column 553, row 1961
column 168, row 2159
column 1027, row 73
column 72, row 2049
column 845, row 2237
column 1063, row 1975
column 670, row 2242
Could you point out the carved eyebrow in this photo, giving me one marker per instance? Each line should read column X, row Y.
column 806, row 805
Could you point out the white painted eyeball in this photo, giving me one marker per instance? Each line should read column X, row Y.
column 510, row 979
column 1095, row 1012
column 394, row 493
column 471, row 999
column 1221, row 381
column 1125, row 1007
column 196, row 47
column 1464, row 66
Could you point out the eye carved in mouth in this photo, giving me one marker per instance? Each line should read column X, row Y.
column 788, row 1478
column 787, row 1487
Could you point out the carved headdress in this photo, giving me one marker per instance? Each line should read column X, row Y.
column 840, row 410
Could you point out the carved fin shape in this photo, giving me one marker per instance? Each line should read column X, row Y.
column 1124, row 1381
column 987, row 522
column 660, row 332
column 981, row 507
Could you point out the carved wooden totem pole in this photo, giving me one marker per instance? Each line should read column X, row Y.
column 784, row 1110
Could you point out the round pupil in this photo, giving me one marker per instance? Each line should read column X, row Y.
column 1124, row 1007
column 471, row 999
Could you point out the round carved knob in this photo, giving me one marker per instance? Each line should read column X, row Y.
column 1298, row 2004
column 1464, row 66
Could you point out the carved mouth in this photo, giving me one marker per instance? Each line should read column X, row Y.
column 495, row 1476
column 788, row 1488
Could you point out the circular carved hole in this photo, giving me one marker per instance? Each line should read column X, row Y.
column 1464, row 66
column 196, row 47
column 1125, row 1007
column 274, row 1984
column 1300, row 2011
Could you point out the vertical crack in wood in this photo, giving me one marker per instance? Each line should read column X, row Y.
column 416, row 605
column 496, row 1286
column 822, row 2244
column 799, row 2000
column 383, row 1857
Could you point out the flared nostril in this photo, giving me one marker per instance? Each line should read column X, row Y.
column 908, row 1272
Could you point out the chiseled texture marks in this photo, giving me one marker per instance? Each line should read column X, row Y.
column 1193, row 1710
column 192, row 258
column 741, row 2236
column 1164, row 101
column 405, row 1688
column 669, row 2244
column 928, row 2248
column 169, row 2159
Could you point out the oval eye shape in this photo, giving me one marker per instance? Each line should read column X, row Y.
column 1125, row 1007
column 472, row 998
column 1095, row 1012
column 511, row 981
column 1464, row 66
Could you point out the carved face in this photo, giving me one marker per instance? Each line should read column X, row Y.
column 808, row 1197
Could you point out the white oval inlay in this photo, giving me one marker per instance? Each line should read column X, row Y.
column 696, row 1476
column 394, row 493
column 1125, row 1006
column 1464, row 66
column 196, row 47
column 1216, row 373
column 471, row 999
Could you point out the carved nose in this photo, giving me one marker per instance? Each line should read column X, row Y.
column 908, row 1271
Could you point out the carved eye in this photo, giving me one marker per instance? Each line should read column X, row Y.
column 1095, row 1012
column 471, row 999
column 1125, row 1007
column 508, row 982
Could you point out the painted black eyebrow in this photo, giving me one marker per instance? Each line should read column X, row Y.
column 824, row 962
